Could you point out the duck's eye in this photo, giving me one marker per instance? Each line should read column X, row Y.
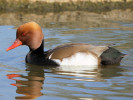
column 23, row 34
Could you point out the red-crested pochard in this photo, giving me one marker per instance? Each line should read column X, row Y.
column 30, row 34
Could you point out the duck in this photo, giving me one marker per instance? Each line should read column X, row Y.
column 31, row 35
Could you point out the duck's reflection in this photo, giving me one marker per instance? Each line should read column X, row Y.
column 110, row 71
column 84, row 73
column 31, row 85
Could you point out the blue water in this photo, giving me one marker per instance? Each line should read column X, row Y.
column 19, row 80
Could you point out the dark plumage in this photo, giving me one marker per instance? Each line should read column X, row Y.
column 39, row 57
column 111, row 56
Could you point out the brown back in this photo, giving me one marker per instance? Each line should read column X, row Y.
column 67, row 50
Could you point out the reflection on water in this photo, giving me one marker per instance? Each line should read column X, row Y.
column 84, row 73
column 101, row 83
column 22, row 81
column 29, row 86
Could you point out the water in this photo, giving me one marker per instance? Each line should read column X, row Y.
column 23, row 81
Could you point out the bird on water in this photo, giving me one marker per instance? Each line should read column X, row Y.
column 31, row 34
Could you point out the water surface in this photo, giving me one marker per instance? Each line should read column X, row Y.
column 23, row 81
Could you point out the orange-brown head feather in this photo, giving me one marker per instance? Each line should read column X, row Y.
column 30, row 34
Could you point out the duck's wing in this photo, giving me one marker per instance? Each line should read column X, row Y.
column 67, row 50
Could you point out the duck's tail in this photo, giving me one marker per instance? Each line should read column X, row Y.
column 111, row 56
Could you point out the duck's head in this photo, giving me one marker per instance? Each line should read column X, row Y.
column 29, row 34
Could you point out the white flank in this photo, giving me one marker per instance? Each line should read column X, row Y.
column 50, row 56
column 79, row 59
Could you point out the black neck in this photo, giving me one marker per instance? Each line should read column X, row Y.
column 39, row 57
column 40, row 49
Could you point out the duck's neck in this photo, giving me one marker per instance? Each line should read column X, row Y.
column 36, row 56
column 39, row 57
column 39, row 50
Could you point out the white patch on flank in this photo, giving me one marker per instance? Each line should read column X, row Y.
column 50, row 56
column 79, row 59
